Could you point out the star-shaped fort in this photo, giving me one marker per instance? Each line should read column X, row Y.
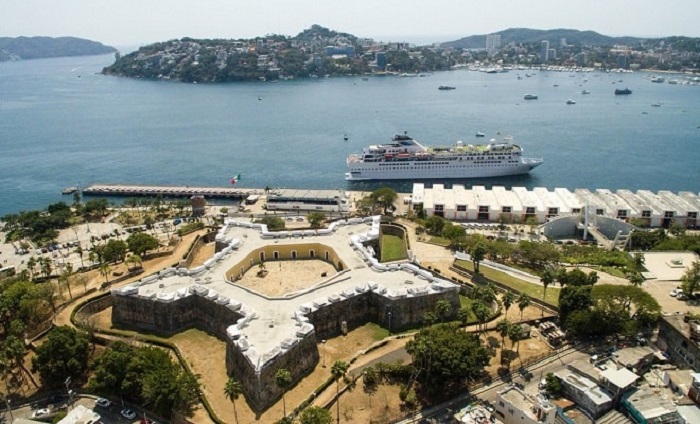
column 265, row 332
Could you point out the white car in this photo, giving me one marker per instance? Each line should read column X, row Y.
column 675, row 292
column 128, row 414
column 103, row 403
column 41, row 412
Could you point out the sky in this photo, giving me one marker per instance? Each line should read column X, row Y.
column 122, row 23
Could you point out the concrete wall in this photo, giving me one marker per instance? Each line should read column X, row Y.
column 172, row 316
column 284, row 252
column 299, row 354
column 259, row 386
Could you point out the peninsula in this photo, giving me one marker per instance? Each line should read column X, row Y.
column 42, row 47
column 319, row 51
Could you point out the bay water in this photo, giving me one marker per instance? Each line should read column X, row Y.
column 62, row 124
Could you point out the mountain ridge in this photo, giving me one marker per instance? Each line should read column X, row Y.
column 529, row 35
column 20, row 48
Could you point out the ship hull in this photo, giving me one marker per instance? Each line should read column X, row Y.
column 418, row 170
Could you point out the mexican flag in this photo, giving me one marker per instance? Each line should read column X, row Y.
column 235, row 179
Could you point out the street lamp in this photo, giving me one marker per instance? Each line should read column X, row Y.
column 389, row 322
column 323, row 342
column 68, row 390
column 9, row 407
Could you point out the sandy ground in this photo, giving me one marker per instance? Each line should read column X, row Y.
column 307, row 273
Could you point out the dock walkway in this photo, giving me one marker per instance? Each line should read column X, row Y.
column 169, row 191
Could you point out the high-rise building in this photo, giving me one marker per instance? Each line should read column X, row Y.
column 493, row 44
column 544, row 51
column 380, row 58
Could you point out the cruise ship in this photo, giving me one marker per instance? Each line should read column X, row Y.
column 406, row 159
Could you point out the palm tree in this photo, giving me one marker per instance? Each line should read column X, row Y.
column 31, row 263
column 134, row 259
column 481, row 311
column 514, row 333
column 502, row 327
column 636, row 279
column 338, row 371
column 232, row 391
column 369, row 381
column 508, row 299
column 79, row 251
column 547, row 279
column 283, row 378
column 523, row 302
column 443, row 309
column 477, row 256
column 66, row 277
column 104, row 270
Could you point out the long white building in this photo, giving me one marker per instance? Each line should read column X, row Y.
column 520, row 204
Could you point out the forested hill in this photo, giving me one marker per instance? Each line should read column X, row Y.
column 41, row 47
column 527, row 35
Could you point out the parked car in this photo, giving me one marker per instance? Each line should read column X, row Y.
column 41, row 412
column 674, row 292
column 103, row 403
column 128, row 414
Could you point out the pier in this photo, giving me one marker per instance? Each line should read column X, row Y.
column 170, row 191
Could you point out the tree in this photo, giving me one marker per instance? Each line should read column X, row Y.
column 443, row 309
column 384, row 197
column 66, row 276
column 481, row 311
column 508, row 299
column 338, row 371
column 636, row 279
column 477, row 256
column 548, row 277
column 448, row 355
column 638, row 259
column 523, row 302
column 140, row 243
column 134, row 261
column 315, row 415
column 283, row 378
column 690, row 281
column 502, row 327
column 114, row 251
column 315, row 219
column 105, row 270
column 64, row 354
column 553, row 386
column 232, row 391
column 514, row 333
column 370, row 381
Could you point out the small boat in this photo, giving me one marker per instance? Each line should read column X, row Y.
column 70, row 190
column 345, row 137
column 585, row 92
column 622, row 91
column 530, row 97
column 570, row 102
column 446, row 87
column 657, row 104
column 480, row 134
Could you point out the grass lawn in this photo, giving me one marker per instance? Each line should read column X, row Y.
column 532, row 290
column 440, row 241
column 392, row 248
column 377, row 332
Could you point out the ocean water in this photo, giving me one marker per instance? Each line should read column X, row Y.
column 62, row 124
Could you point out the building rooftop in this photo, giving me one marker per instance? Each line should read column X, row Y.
column 589, row 388
column 650, row 405
column 621, row 378
column 631, row 356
